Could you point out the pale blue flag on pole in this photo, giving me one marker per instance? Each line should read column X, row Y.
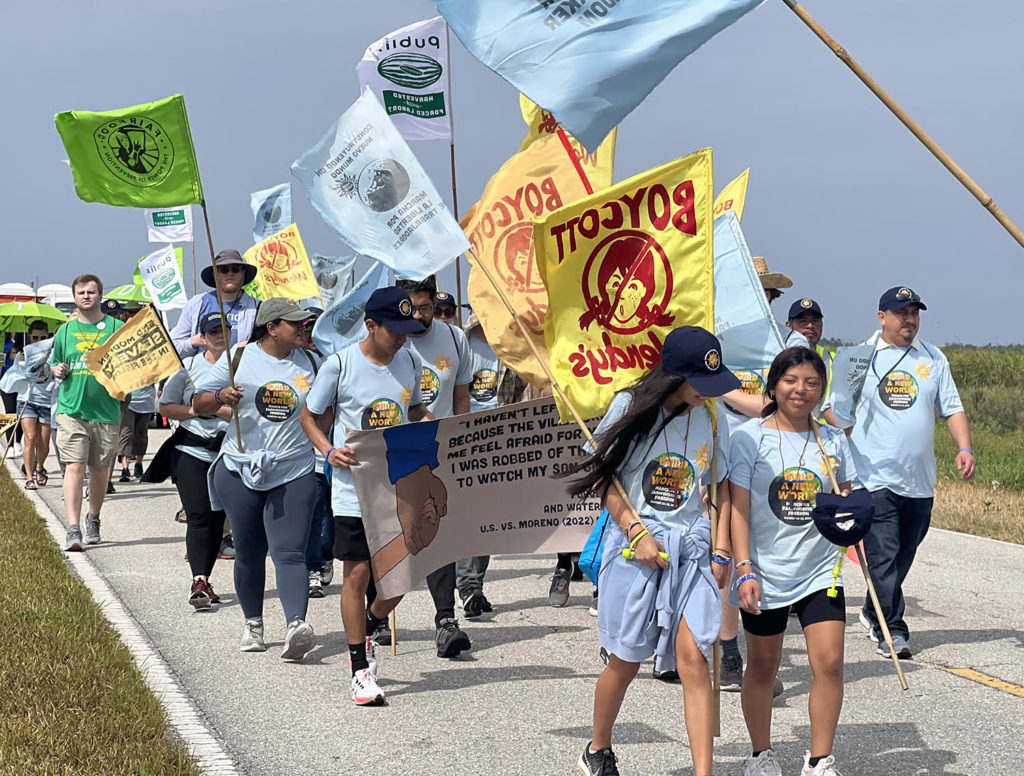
column 367, row 184
column 334, row 276
column 743, row 322
column 588, row 62
column 849, row 371
column 271, row 211
column 23, row 372
column 342, row 322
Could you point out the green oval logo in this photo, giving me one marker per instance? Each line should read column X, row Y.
column 413, row 71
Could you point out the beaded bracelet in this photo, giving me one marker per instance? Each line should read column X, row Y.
column 720, row 559
column 216, row 396
column 745, row 578
column 967, row 450
column 744, row 563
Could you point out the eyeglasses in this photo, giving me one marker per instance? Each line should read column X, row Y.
column 423, row 309
column 444, row 312
column 228, row 269
column 38, row 337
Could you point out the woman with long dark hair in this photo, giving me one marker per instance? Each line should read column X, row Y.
column 657, row 439
column 782, row 562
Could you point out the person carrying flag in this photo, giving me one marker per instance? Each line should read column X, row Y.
column 230, row 272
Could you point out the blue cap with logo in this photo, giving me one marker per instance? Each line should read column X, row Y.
column 392, row 308
column 695, row 354
column 801, row 306
column 111, row 307
column 898, row 297
column 212, row 321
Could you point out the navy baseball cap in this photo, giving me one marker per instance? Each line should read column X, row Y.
column 315, row 312
column 801, row 306
column 898, row 297
column 443, row 297
column 844, row 521
column 695, row 354
column 392, row 308
column 212, row 321
column 111, row 307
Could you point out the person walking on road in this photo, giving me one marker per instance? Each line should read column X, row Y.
column 34, row 408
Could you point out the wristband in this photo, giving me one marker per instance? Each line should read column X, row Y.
column 630, row 526
column 637, row 538
column 721, row 560
column 216, row 396
column 745, row 578
column 723, row 551
column 744, row 563
column 328, row 453
column 967, row 450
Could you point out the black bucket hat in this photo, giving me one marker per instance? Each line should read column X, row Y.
column 225, row 258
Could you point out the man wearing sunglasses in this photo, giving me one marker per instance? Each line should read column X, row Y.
column 232, row 272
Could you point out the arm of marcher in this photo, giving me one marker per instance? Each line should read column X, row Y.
column 957, row 425
column 418, row 412
column 460, row 401
column 750, row 590
column 749, row 404
column 177, row 411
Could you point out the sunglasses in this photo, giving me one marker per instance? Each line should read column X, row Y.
column 229, row 269
column 444, row 312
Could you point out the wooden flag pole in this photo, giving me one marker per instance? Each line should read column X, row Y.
column 958, row 173
column 194, row 292
column 716, row 649
column 224, row 317
column 9, row 438
column 455, row 188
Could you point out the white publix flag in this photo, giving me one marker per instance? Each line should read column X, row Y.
column 408, row 71
column 162, row 276
column 169, row 224
column 367, row 184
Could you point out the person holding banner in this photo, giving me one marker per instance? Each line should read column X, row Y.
column 232, row 273
column 34, row 408
column 659, row 595
column 782, row 563
column 264, row 480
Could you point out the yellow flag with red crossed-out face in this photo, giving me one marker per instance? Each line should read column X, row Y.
column 598, row 167
column 282, row 267
column 532, row 183
column 623, row 268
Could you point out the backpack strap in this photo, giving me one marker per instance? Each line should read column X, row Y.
column 312, row 362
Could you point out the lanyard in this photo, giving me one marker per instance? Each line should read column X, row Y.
column 893, row 367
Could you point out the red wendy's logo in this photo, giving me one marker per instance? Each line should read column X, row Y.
column 515, row 262
column 279, row 256
column 627, row 284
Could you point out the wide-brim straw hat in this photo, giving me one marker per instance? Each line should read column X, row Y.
column 471, row 323
column 770, row 279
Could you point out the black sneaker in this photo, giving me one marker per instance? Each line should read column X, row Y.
column 600, row 763
column 137, row 472
column 126, row 475
column 382, row 634
column 732, row 673
column 110, row 488
column 450, row 639
column 485, row 605
column 671, row 676
column 472, row 604
column 558, row 593
column 227, row 548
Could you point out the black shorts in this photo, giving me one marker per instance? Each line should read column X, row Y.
column 350, row 539
column 816, row 607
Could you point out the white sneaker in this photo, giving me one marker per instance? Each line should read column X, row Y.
column 18, row 450
column 764, row 764
column 299, row 641
column 316, row 588
column 365, row 691
column 371, row 655
column 252, row 636
column 866, row 624
column 10, row 451
column 825, row 767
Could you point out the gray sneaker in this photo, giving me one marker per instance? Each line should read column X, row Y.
column 252, row 636
column 92, row 528
column 732, row 673
column 73, row 539
column 299, row 641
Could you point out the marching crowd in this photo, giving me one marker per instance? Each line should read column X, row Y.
column 259, row 445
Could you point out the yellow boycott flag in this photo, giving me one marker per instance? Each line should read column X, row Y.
column 531, row 184
column 733, row 196
column 138, row 354
column 623, row 268
column 598, row 166
column 283, row 268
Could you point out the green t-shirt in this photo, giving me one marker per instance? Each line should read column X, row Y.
column 81, row 395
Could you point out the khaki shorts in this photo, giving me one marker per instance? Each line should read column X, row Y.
column 81, row 441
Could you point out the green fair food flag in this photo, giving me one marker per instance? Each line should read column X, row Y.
column 134, row 157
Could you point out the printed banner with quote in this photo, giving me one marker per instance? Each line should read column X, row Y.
column 138, row 354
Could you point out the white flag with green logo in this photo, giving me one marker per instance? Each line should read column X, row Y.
column 169, row 224
column 408, row 71
column 162, row 276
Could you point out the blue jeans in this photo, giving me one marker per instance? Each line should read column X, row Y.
column 898, row 529
column 469, row 574
column 320, row 547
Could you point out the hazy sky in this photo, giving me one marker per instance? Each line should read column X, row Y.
column 842, row 198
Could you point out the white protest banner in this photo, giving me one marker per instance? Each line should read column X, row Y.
column 408, row 71
column 271, row 211
column 161, row 274
column 367, row 184
column 169, row 224
column 482, row 484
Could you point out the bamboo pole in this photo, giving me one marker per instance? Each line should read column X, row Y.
column 716, row 649
column 947, row 162
column 455, row 190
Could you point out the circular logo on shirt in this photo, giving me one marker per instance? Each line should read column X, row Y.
column 668, row 482
column 276, row 401
column 382, row 413
column 791, row 495
column 750, row 383
column 430, row 385
column 136, row 149
column 484, row 385
column 898, row 391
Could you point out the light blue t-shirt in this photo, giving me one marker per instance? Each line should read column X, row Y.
column 447, row 362
column 751, row 382
column 364, row 395
column 791, row 559
column 277, row 450
column 143, row 400
column 41, row 390
column 179, row 389
column 894, row 436
column 667, row 472
column 483, row 390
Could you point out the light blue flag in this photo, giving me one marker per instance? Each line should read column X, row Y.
column 849, row 371
column 743, row 323
column 342, row 322
column 271, row 211
column 588, row 62
column 367, row 184
column 23, row 372
column 335, row 276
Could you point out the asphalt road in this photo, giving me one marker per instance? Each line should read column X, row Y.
column 520, row 701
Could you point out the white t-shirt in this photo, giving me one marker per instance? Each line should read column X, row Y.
column 447, row 362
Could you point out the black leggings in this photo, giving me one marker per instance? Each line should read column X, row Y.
column 205, row 525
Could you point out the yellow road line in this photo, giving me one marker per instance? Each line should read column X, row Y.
column 985, row 679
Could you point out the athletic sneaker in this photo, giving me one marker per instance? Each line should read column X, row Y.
column 485, row 605
column 382, row 633
column 450, row 639
column 252, row 636
column 777, row 687
column 316, row 588
column 825, row 767
column 558, row 593
column 764, row 764
column 600, row 763
column 92, row 528
column 592, row 611
column 473, row 604
column 365, row 691
column 138, row 470
column 73, row 539
column 199, row 598
column 126, row 476
column 371, row 655
column 327, row 573
column 214, row 598
column 866, row 624
column 299, row 641
column 732, row 673
column 899, row 643
column 181, row 516
column 671, row 676
column 110, row 488
column 577, row 573
column 227, row 548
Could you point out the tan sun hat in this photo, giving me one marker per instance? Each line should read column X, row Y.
column 770, row 279
column 471, row 323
